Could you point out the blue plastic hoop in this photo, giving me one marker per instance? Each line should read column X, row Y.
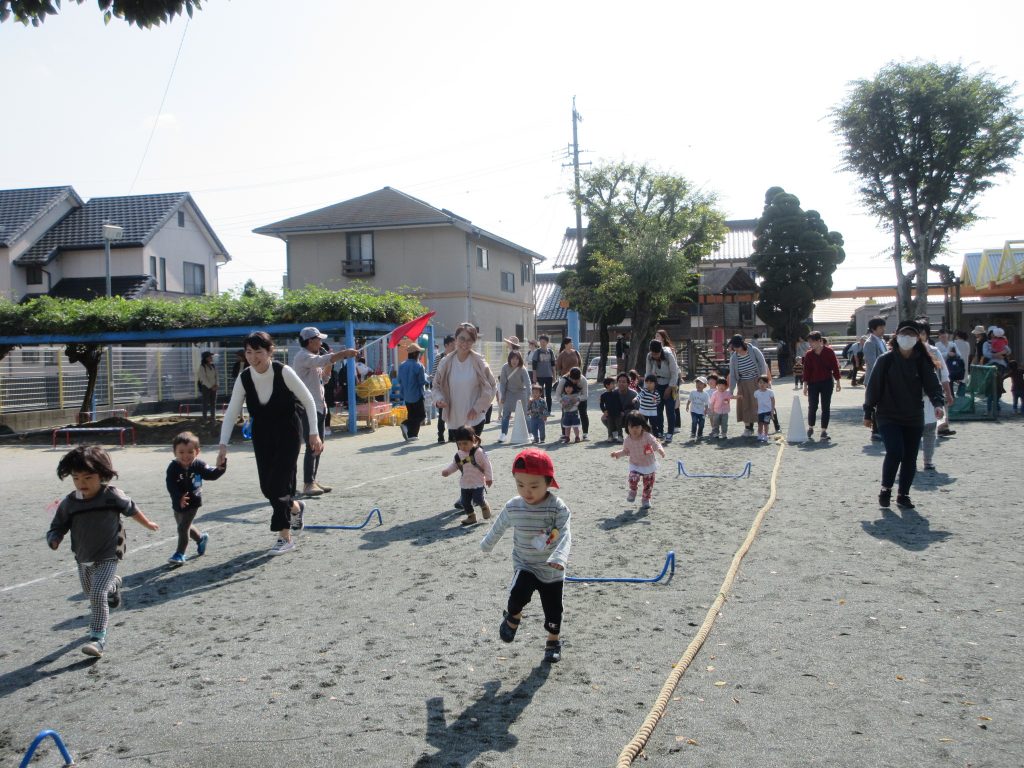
column 68, row 760
column 744, row 473
column 374, row 511
column 669, row 567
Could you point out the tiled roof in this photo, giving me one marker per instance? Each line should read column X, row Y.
column 387, row 207
column 568, row 253
column 547, row 295
column 738, row 243
column 731, row 279
column 835, row 310
column 20, row 208
column 129, row 286
column 142, row 216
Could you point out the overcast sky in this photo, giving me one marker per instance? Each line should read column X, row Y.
column 279, row 108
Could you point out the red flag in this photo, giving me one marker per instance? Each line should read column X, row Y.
column 413, row 329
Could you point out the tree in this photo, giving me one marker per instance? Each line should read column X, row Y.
column 795, row 255
column 926, row 139
column 655, row 227
column 142, row 13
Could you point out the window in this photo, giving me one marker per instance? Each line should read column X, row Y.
column 181, row 218
column 358, row 254
column 152, row 270
column 481, row 258
column 508, row 282
column 195, row 278
column 163, row 274
column 524, row 272
column 520, row 332
column 34, row 275
column 498, row 336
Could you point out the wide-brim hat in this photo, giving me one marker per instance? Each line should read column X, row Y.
column 513, row 341
column 414, row 347
column 978, row 329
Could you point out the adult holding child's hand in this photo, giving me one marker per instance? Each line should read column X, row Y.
column 273, row 393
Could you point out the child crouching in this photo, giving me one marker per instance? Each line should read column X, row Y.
column 92, row 513
column 540, row 546
column 474, row 466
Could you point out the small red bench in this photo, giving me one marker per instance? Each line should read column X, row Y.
column 68, row 431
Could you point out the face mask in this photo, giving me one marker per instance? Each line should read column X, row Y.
column 906, row 342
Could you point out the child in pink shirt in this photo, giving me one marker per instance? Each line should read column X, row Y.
column 641, row 446
column 721, row 403
column 475, row 468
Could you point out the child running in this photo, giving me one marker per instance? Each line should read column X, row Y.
column 640, row 445
column 536, row 413
column 696, row 405
column 185, row 477
column 765, row 398
column 721, row 402
column 570, row 411
column 540, row 546
column 92, row 512
column 474, row 466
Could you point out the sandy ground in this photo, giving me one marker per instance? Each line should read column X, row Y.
column 853, row 637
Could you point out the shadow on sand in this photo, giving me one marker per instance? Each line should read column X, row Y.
column 909, row 530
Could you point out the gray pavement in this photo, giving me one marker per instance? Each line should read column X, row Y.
column 853, row 637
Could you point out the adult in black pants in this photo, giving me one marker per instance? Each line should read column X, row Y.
column 821, row 373
column 542, row 367
column 273, row 393
column 449, row 347
column 898, row 382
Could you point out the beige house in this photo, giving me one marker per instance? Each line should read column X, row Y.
column 395, row 242
column 51, row 243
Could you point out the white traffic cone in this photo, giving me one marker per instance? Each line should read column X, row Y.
column 797, row 430
column 520, row 434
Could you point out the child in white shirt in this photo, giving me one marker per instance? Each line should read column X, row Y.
column 696, row 404
column 765, row 398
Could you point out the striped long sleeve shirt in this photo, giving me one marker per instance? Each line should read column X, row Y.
column 647, row 402
column 529, row 523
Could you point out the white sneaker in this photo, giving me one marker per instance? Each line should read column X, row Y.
column 281, row 547
column 502, row 437
column 748, row 433
column 327, row 432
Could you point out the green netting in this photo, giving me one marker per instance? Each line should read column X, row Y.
column 977, row 400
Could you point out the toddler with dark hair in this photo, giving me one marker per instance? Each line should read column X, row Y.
column 185, row 477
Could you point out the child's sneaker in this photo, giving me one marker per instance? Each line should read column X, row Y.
column 94, row 648
column 509, row 627
column 176, row 559
column 281, row 547
column 553, row 651
column 824, row 435
column 114, row 595
column 645, row 504
column 201, row 544
column 631, row 496
column 296, row 517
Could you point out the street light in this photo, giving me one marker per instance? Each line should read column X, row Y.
column 110, row 232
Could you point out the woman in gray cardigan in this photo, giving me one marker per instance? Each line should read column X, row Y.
column 746, row 364
column 513, row 387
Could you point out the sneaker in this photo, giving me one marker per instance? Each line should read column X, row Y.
column 329, row 488
column 810, row 431
column 584, row 435
column 405, row 430
column 94, row 648
column 114, row 595
column 824, row 435
column 204, row 539
column 176, row 559
column 876, row 437
column 713, row 435
column 903, row 501
column 412, row 439
column 748, row 433
column 631, row 496
column 312, row 489
column 929, row 467
column 441, row 440
column 507, row 632
column 502, row 437
column 884, row 496
column 946, row 432
column 645, row 504
column 458, row 503
column 553, row 651
column 296, row 517
column 721, row 436
column 576, row 440
column 281, row 547
column 327, row 432
column 668, row 438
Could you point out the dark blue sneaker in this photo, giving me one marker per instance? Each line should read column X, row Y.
column 201, row 544
column 176, row 559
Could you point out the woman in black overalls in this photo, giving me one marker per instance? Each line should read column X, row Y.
column 273, row 393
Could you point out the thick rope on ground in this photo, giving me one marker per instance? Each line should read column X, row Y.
column 639, row 740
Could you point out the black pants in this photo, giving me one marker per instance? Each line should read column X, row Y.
column 277, row 455
column 311, row 461
column 417, row 413
column 665, row 409
column 901, row 446
column 440, row 427
column 547, row 382
column 183, row 518
column 209, row 402
column 584, row 418
column 477, row 428
column 822, row 390
column 523, row 587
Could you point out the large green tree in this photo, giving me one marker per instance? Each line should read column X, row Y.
column 653, row 228
column 926, row 139
column 142, row 13
column 795, row 255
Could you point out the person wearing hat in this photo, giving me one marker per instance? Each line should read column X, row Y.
column 412, row 378
column 514, row 343
column 996, row 350
column 206, row 380
column 314, row 368
column 540, row 546
column 892, row 400
column 980, row 337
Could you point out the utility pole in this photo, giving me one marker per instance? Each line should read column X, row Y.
column 575, row 149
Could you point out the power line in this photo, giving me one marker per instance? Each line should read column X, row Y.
column 160, row 111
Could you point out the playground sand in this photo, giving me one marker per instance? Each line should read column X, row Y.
column 851, row 638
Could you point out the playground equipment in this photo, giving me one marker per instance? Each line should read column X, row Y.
column 745, row 472
column 68, row 760
column 669, row 567
column 374, row 511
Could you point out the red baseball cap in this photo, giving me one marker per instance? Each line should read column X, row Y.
column 534, row 461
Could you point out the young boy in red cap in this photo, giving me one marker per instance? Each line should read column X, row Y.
column 540, row 546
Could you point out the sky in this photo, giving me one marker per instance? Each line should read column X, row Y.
column 271, row 109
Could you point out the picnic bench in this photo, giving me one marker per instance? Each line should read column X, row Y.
column 121, row 432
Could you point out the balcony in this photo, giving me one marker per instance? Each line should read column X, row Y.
column 359, row 268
